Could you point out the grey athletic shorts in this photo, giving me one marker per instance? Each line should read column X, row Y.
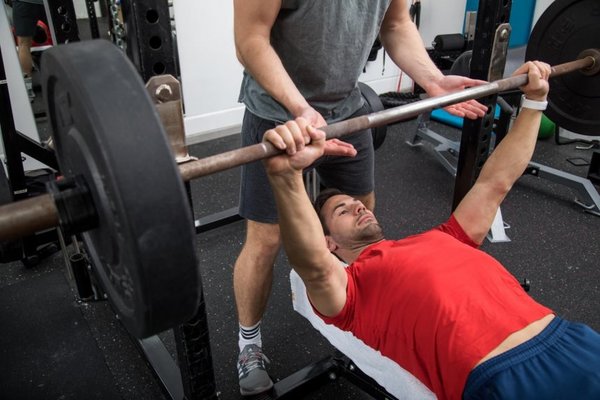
column 352, row 175
column 25, row 17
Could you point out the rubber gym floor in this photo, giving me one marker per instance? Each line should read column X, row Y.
column 54, row 347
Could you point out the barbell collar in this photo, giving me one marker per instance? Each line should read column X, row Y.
column 74, row 204
column 595, row 67
column 235, row 158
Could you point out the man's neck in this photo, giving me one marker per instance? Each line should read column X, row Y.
column 350, row 255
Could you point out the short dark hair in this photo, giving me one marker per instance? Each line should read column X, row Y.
column 320, row 201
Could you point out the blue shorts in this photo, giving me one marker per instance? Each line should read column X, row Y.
column 352, row 175
column 562, row 362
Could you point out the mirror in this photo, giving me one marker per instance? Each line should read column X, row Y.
column 27, row 32
column 29, row 27
column 19, row 100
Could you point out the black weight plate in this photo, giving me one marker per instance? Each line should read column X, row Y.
column 564, row 30
column 106, row 129
column 375, row 105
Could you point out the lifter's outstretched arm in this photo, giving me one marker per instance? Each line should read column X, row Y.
column 301, row 230
column 506, row 164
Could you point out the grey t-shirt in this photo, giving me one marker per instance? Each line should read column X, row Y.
column 324, row 46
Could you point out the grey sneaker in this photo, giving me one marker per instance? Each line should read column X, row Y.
column 251, row 370
column 29, row 87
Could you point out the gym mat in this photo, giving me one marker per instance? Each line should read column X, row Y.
column 46, row 348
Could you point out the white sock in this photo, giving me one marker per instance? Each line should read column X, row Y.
column 249, row 335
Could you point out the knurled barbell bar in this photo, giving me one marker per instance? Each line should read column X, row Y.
column 39, row 213
column 123, row 192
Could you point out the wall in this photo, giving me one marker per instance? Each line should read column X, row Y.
column 540, row 7
column 81, row 9
column 211, row 74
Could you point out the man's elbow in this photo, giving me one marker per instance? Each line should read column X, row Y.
column 248, row 47
column 238, row 55
column 498, row 187
column 387, row 35
column 238, row 42
column 394, row 26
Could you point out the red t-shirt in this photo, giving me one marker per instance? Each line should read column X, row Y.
column 435, row 304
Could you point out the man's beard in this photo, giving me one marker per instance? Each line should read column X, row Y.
column 370, row 234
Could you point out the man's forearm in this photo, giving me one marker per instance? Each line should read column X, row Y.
column 301, row 231
column 510, row 158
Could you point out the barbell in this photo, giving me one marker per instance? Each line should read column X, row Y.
column 122, row 191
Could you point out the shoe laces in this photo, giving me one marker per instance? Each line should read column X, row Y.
column 250, row 360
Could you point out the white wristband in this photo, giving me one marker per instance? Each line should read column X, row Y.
column 533, row 104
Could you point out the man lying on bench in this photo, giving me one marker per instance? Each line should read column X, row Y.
column 445, row 311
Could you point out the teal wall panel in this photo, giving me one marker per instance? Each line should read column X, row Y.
column 521, row 16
